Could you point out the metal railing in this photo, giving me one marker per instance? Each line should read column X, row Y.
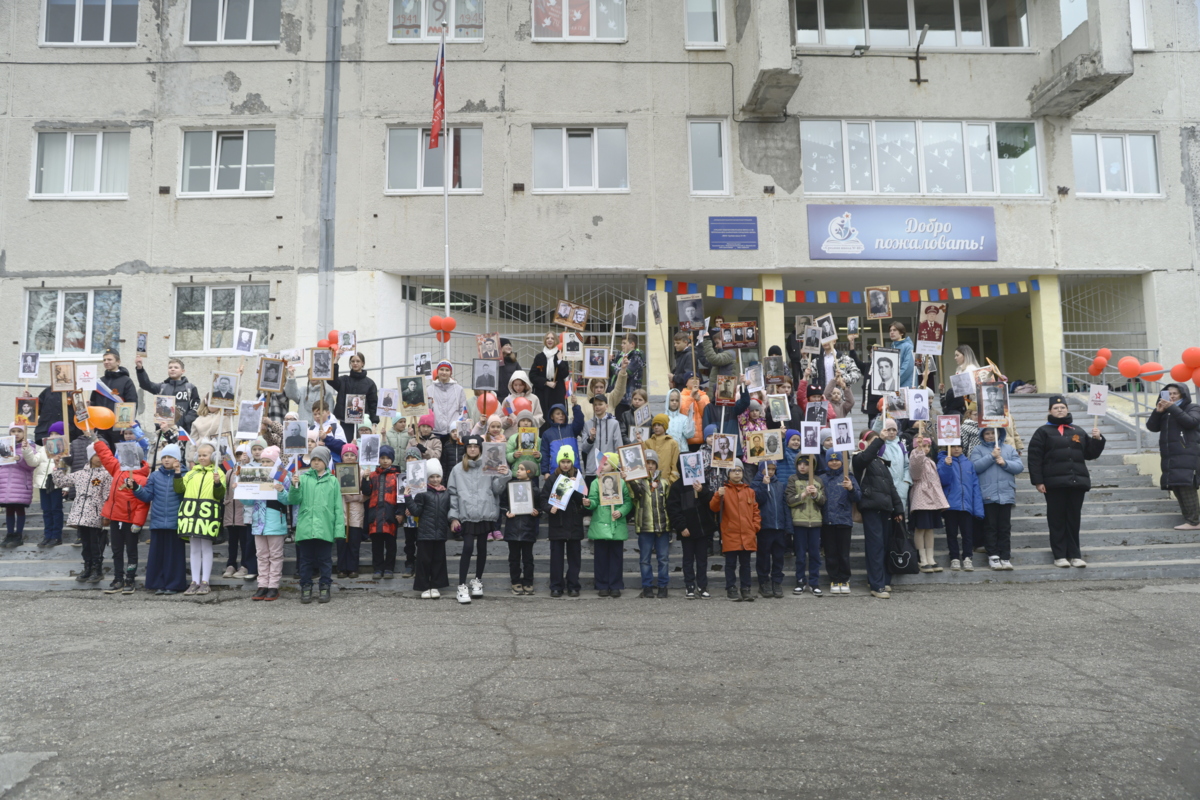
column 1132, row 398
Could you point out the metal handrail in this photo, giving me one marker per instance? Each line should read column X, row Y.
column 1132, row 390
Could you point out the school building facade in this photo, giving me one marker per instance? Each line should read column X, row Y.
column 175, row 169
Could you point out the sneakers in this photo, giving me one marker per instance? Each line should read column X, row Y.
column 647, row 593
column 615, row 594
column 887, row 587
column 464, row 594
column 408, row 572
column 816, row 590
column 777, row 589
column 518, row 590
column 306, row 594
column 191, row 590
column 1078, row 562
column 377, row 576
column 203, row 588
column 476, row 587
column 603, row 593
column 690, row 593
column 325, row 596
column 251, row 576
column 115, row 587
column 388, row 574
column 800, row 589
column 436, row 594
column 229, row 572
column 926, row 568
column 845, row 588
column 732, row 594
column 967, row 565
column 765, row 591
column 936, row 567
column 703, row 594
column 1061, row 562
column 955, row 565
column 572, row 593
column 662, row 593
column 1005, row 564
column 747, row 595
column 130, row 585
column 240, row 573
column 994, row 563
column 427, row 594
column 880, row 595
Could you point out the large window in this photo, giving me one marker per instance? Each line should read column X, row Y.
column 1115, row 164
column 920, row 157
column 82, row 164
column 72, row 321
column 705, row 23
column 90, row 22
column 422, row 20
column 579, row 20
column 898, row 23
column 207, row 317
column 706, row 149
column 580, row 160
column 413, row 167
column 233, row 21
column 219, row 163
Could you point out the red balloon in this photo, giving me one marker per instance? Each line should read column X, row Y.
column 1104, row 353
column 449, row 324
column 487, row 403
column 323, row 344
column 1152, row 371
column 522, row 404
column 1181, row 373
column 1099, row 363
column 435, row 323
column 1094, row 371
column 333, row 337
column 1129, row 367
column 1191, row 357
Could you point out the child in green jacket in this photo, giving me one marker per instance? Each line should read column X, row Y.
column 609, row 528
column 321, row 521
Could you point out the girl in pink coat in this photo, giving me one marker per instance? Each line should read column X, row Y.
column 17, row 462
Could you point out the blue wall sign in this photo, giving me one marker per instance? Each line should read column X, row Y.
column 733, row 233
column 901, row 233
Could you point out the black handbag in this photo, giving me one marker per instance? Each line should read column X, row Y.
column 902, row 556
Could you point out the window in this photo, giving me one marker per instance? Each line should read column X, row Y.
column 579, row 20
column 83, row 165
column 90, row 22
column 72, row 321
column 1137, row 25
column 1115, row 164
column 1072, row 14
column 919, row 157
column 705, row 23
column 707, row 148
column 461, row 302
column 580, row 160
column 413, row 167
column 228, row 162
column 233, row 21
column 898, row 23
column 421, row 20
column 207, row 317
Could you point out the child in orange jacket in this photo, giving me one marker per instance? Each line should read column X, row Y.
column 692, row 402
column 126, row 514
column 740, row 521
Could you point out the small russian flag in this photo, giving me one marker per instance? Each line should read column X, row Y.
column 107, row 393
column 182, row 436
column 281, row 472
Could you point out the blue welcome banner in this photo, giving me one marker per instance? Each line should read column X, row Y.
column 901, row 233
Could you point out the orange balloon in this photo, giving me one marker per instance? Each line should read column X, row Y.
column 333, row 337
column 323, row 344
column 435, row 323
column 522, row 404
column 101, row 418
column 1094, row 371
column 1129, row 367
column 1191, row 357
column 1104, row 353
column 1152, row 371
column 1099, row 363
column 449, row 324
column 1181, row 373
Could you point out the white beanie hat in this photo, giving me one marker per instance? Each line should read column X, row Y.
column 433, row 467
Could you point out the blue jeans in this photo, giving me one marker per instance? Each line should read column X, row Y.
column 808, row 549
column 660, row 543
column 313, row 555
column 876, row 526
column 770, row 556
column 52, row 512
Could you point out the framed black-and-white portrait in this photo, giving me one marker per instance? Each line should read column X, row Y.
column 321, row 366
column 879, row 302
column 485, row 374
column 29, row 364
column 827, row 328
column 223, row 390
column 885, row 371
column 272, row 373
column 244, row 341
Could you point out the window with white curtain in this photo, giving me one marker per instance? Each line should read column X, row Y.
column 917, row 157
column 898, row 23
column 422, row 20
column 72, row 321
column 223, row 163
column 579, row 20
column 233, row 21
column 707, row 148
column 580, row 160
column 1115, row 164
column 705, row 21
column 412, row 167
column 81, row 165
column 90, row 22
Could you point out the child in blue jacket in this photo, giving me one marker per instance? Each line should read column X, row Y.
column 960, row 484
column 166, row 563
column 771, row 494
column 556, row 432
column 997, row 464
column 837, row 517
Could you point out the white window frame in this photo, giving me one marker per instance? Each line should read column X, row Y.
column 725, row 166
column 426, row 37
column 925, row 192
column 1106, row 193
column 79, row 28
column 1138, row 11
column 592, row 37
column 595, row 189
column 221, row 40
column 447, row 160
column 914, row 32
column 719, row 44
column 67, row 194
column 216, row 143
column 74, row 355
column 259, row 347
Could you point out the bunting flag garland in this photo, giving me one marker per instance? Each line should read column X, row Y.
column 828, row 297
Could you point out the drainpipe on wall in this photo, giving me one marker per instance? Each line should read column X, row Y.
column 329, row 132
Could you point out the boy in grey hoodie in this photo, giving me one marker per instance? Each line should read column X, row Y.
column 474, row 510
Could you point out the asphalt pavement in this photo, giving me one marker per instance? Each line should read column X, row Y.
column 999, row 691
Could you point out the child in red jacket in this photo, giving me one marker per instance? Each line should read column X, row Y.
column 126, row 514
column 740, row 522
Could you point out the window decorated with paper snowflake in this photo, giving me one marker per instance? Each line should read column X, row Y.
column 579, row 20
column 422, row 20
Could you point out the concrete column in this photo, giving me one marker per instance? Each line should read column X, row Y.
column 772, row 327
column 1045, row 312
column 657, row 348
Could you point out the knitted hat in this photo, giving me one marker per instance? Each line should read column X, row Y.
column 737, row 464
column 171, row 451
column 505, row 342
column 814, row 391
column 320, row 454
column 426, row 419
column 661, row 419
column 91, row 451
column 566, row 452
column 826, row 433
column 291, row 415
column 612, row 459
column 788, row 434
column 833, row 455
column 411, row 452
column 57, row 428
column 495, row 417
column 269, row 454
column 1057, row 399
column 650, row 455
column 774, row 351
column 433, row 467
column 16, row 425
column 312, row 434
column 709, row 430
column 259, row 442
column 443, row 363
column 387, row 451
column 755, row 405
column 349, row 448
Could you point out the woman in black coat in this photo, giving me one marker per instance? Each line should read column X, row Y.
column 564, row 527
column 1177, row 423
column 1058, row 456
column 431, row 509
column 356, row 382
column 880, row 507
column 549, row 374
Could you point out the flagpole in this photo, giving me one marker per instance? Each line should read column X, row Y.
column 446, row 173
